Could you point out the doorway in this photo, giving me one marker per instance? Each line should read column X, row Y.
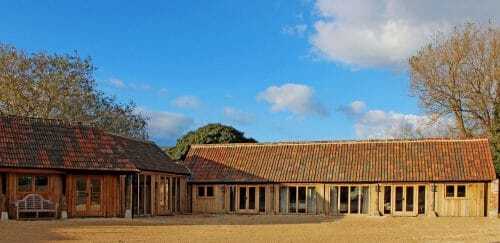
column 247, row 199
column 88, row 196
column 404, row 200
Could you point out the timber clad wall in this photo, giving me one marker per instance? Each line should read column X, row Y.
column 435, row 177
column 85, row 168
column 435, row 202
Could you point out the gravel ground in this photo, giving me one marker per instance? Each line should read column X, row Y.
column 230, row 228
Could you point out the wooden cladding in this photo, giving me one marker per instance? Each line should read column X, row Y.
column 398, row 199
column 158, row 194
column 94, row 196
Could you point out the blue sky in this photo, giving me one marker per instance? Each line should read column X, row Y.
column 277, row 70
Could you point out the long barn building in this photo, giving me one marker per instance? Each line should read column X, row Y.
column 434, row 177
column 54, row 169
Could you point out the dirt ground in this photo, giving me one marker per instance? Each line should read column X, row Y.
column 218, row 228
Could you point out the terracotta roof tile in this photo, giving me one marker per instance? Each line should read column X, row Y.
column 344, row 161
column 43, row 143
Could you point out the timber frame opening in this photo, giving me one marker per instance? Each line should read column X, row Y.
column 156, row 194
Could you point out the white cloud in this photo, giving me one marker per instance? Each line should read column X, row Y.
column 117, row 83
column 388, row 125
column 355, row 108
column 237, row 116
column 120, row 84
column 166, row 127
column 188, row 102
column 295, row 98
column 294, row 30
column 384, row 33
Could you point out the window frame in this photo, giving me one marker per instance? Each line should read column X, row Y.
column 455, row 191
column 205, row 191
column 33, row 188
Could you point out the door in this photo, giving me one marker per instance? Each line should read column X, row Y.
column 404, row 200
column 88, row 198
column 247, row 199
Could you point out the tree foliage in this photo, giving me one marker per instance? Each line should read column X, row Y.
column 61, row 87
column 209, row 134
column 457, row 76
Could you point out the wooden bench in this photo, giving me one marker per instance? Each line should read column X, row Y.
column 35, row 203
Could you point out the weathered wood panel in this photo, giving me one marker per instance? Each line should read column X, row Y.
column 52, row 193
column 110, row 198
column 471, row 205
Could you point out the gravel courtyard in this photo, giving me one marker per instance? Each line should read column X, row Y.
column 254, row 229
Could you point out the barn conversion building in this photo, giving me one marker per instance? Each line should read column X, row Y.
column 434, row 177
column 50, row 168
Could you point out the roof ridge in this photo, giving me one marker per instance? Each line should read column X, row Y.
column 52, row 121
column 283, row 143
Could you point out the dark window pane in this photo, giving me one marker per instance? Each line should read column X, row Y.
column 251, row 197
column 292, row 199
column 399, row 198
column 344, row 199
column 421, row 200
column 354, row 199
column 461, row 191
column 409, row 198
column 24, row 183
column 210, row 191
column 387, row 199
column 450, row 191
column 201, row 191
column 302, row 199
column 243, row 197
column 232, row 199
column 262, row 199
column 41, row 183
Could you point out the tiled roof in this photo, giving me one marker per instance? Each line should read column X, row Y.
column 44, row 143
column 343, row 161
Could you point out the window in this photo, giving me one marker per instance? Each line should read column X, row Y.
column 450, row 191
column 262, row 199
column 41, row 183
column 461, row 191
column 210, row 191
column 201, row 191
column 205, row 191
column 24, row 183
column 456, row 191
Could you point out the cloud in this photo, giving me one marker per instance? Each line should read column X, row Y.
column 295, row 98
column 120, row 84
column 384, row 33
column 166, row 127
column 294, row 30
column 387, row 125
column 117, row 83
column 356, row 108
column 237, row 116
column 187, row 102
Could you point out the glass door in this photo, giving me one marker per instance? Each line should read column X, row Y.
column 88, row 195
column 404, row 200
column 247, row 199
